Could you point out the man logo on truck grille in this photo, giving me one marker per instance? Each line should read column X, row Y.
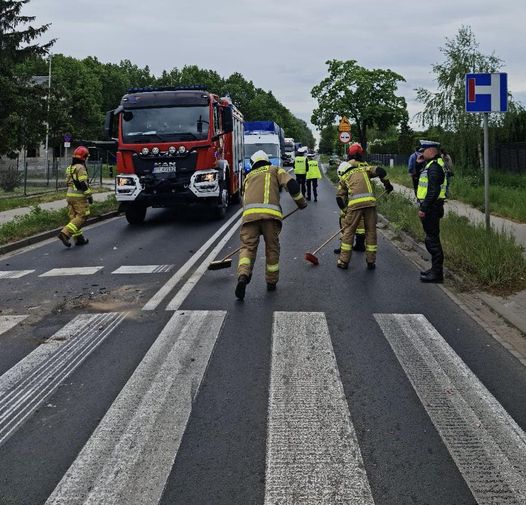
column 164, row 167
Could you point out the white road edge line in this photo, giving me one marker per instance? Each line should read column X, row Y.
column 313, row 455
column 129, row 457
column 487, row 445
column 8, row 322
column 158, row 297
column 187, row 287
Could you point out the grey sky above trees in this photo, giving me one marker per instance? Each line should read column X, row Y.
column 282, row 46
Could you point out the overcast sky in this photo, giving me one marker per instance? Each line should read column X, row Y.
column 282, row 45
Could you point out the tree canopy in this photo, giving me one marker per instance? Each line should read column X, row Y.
column 21, row 105
column 367, row 97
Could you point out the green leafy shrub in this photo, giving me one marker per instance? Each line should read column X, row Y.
column 9, row 179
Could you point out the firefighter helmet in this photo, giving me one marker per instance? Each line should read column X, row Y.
column 342, row 168
column 258, row 156
column 81, row 153
column 355, row 150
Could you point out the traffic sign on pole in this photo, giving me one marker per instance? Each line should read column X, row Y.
column 345, row 137
column 487, row 92
column 345, row 125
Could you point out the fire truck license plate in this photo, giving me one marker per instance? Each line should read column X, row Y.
column 165, row 169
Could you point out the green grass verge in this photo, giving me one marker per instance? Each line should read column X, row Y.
column 491, row 261
column 39, row 220
column 507, row 193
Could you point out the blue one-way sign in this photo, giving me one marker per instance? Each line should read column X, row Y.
column 487, row 92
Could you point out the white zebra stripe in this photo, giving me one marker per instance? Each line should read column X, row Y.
column 313, row 456
column 60, row 272
column 130, row 455
column 14, row 274
column 8, row 322
column 142, row 269
column 488, row 447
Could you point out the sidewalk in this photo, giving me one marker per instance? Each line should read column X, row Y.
column 9, row 215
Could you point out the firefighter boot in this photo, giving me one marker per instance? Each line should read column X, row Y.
column 80, row 240
column 242, row 282
column 359, row 242
column 342, row 265
column 64, row 239
column 271, row 286
column 371, row 266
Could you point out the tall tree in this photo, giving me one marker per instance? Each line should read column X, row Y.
column 367, row 97
column 445, row 107
column 20, row 101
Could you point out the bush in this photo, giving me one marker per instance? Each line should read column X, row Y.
column 9, row 179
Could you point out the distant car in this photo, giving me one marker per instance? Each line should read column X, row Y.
column 334, row 160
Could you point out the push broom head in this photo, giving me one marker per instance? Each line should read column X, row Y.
column 219, row 265
column 311, row 258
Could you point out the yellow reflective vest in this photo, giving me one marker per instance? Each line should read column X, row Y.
column 423, row 182
column 314, row 170
column 300, row 165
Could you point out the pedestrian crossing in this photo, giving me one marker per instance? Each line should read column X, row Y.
column 92, row 270
column 313, row 455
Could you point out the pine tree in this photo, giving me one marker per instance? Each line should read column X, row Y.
column 19, row 101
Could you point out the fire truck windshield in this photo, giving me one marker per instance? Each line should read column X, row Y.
column 165, row 124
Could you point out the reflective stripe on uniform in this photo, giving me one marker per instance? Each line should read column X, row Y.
column 273, row 268
column 244, row 261
column 299, row 196
column 360, row 231
column 262, row 206
column 75, row 194
column 72, row 228
column 362, row 200
column 345, row 247
column 266, row 195
column 371, row 248
column 263, row 210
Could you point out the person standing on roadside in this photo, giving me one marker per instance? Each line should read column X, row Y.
column 415, row 165
column 262, row 215
column 78, row 197
column 431, row 194
column 300, row 169
column 313, row 174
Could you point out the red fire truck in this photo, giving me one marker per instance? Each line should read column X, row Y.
column 176, row 146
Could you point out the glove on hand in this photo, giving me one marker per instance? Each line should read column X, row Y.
column 90, row 200
column 388, row 187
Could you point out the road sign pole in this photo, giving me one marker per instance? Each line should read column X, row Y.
column 486, row 171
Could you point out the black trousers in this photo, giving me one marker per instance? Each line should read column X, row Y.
column 431, row 224
column 314, row 184
column 300, row 178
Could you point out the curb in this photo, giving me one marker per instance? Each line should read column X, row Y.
column 458, row 298
column 39, row 237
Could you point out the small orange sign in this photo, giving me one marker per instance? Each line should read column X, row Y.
column 345, row 125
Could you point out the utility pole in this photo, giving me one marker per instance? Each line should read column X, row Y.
column 47, row 116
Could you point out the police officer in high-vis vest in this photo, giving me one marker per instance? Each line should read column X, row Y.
column 262, row 215
column 313, row 174
column 300, row 169
column 78, row 197
column 431, row 194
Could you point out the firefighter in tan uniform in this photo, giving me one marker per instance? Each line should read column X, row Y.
column 356, row 189
column 78, row 198
column 262, row 215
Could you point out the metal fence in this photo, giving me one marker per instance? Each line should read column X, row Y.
column 385, row 159
column 509, row 157
column 34, row 177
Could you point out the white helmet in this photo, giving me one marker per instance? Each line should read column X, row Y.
column 259, row 156
column 342, row 168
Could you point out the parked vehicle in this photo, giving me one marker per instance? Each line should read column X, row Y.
column 176, row 146
column 289, row 154
column 266, row 136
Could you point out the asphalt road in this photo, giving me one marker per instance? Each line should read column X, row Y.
column 157, row 386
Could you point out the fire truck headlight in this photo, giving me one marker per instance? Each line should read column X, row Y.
column 125, row 181
column 172, row 150
column 208, row 177
column 155, row 151
column 145, row 151
column 182, row 149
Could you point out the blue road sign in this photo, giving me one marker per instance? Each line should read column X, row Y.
column 487, row 92
column 67, row 137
